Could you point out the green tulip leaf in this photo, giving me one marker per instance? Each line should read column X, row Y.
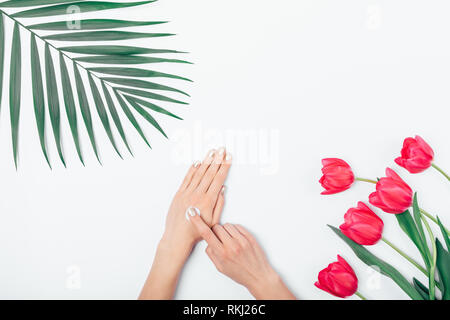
column 383, row 267
column 418, row 219
column 443, row 267
column 444, row 234
column 422, row 289
column 408, row 225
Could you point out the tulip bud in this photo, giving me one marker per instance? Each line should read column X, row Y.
column 337, row 176
column 338, row 279
column 416, row 155
column 362, row 225
column 393, row 195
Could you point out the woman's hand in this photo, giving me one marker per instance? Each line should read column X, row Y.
column 236, row 254
column 202, row 190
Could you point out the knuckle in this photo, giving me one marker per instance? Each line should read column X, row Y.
column 252, row 241
column 245, row 245
column 235, row 248
column 204, row 233
column 226, row 256
column 196, row 195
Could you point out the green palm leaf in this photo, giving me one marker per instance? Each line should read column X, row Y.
column 152, row 106
column 131, row 117
column 38, row 95
column 141, row 84
column 134, row 72
column 119, row 59
column 2, row 54
column 115, row 116
column 30, row 3
column 103, row 36
column 102, row 112
column 93, row 24
column 70, row 105
column 147, row 116
column 149, row 95
column 84, row 6
column 15, row 83
column 123, row 81
column 85, row 110
column 114, row 50
column 53, row 101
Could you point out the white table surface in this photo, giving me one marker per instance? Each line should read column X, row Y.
column 282, row 84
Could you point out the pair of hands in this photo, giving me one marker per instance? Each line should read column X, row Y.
column 194, row 215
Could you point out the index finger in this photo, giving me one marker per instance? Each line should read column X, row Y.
column 221, row 175
column 203, row 229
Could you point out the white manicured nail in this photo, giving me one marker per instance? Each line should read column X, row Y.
column 191, row 211
column 211, row 153
column 228, row 157
column 222, row 191
column 197, row 164
column 221, row 151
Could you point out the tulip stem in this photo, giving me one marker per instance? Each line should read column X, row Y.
column 441, row 171
column 429, row 216
column 366, row 180
column 434, row 258
column 360, row 296
column 404, row 255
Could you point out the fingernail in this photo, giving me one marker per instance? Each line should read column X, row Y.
column 223, row 190
column 211, row 153
column 221, row 151
column 228, row 157
column 197, row 164
column 192, row 211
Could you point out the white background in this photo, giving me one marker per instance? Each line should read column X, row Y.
column 305, row 80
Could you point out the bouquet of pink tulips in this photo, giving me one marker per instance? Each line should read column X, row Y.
column 362, row 227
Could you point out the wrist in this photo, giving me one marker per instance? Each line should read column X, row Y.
column 263, row 283
column 176, row 248
column 270, row 287
column 166, row 269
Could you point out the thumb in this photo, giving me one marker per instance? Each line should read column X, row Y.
column 193, row 215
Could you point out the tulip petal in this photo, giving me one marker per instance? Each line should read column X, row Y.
column 425, row 146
